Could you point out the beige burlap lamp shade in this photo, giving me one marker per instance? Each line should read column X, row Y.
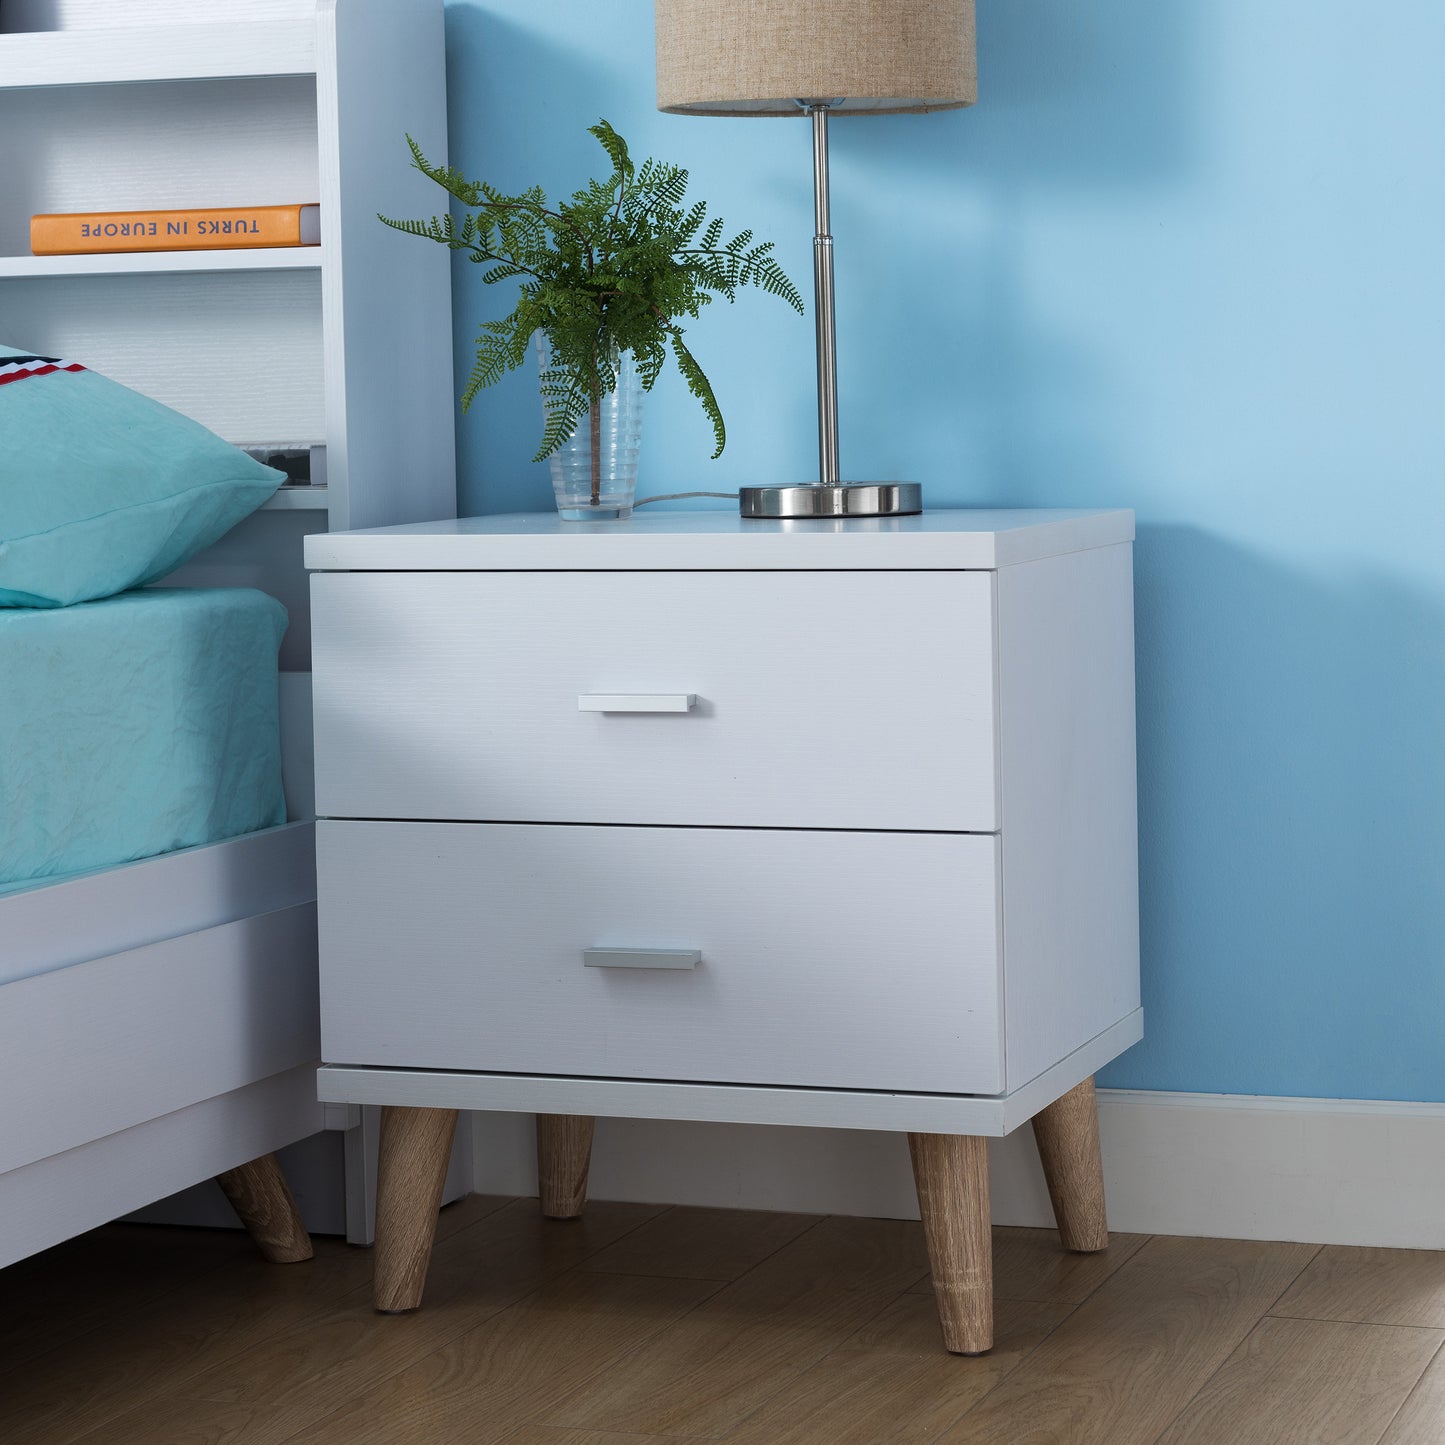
column 760, row 57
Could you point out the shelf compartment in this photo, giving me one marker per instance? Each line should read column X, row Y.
column 41, row 59
column 298, row 499
column 239, row 353
column 163, row 263
column 167, row 146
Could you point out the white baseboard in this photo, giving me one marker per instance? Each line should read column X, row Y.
column 1321, row 1171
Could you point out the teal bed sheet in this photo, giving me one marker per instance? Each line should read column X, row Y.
column 134, row 726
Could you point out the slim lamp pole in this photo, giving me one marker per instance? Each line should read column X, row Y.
column 829, row 496
column 823, row 306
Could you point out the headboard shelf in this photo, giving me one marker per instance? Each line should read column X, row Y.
column 128, row 54
column 163, row 263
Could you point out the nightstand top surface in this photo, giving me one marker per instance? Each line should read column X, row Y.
column 968, row 539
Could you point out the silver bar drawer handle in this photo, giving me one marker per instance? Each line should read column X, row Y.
column 636, row 701
column 641, row 957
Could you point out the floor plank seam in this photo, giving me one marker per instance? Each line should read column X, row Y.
column 1318, row 1250
column 460, row 1203
column 1229, row 1354
column 818, row 1222
column 1409, row 1395
column 1144, row 1244
column 644, row 1274
column 663, row 1210
column 1364, row 1324
column 1184, row 1405
column 1001, row 1297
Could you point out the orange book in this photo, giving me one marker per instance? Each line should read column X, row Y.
column 79, row 233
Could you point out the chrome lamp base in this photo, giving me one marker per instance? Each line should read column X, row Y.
column 841, row 499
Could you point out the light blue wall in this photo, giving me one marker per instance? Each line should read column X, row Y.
column 1185, row 256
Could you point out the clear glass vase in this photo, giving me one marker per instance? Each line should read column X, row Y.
column 594, row 472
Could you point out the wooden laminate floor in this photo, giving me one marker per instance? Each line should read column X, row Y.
column 643, row 1324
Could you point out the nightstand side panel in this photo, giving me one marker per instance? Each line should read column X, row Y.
column 1068, row 799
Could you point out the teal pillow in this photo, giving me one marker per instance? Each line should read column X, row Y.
column 102, row 489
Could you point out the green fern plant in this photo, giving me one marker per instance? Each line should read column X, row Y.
column 613, row 269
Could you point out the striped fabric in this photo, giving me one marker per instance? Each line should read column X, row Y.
column 19, row 368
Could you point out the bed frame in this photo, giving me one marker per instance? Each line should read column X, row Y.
column 160, row 1029
column 158, row 1021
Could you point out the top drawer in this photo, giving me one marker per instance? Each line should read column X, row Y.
column 820, row 700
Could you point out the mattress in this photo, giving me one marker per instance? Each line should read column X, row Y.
column 134, row 726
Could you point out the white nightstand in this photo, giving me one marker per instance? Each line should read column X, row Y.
column 824, row 823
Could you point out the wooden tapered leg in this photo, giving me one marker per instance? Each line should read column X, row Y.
column 414, row 1151
column 951, row 1172
column 260, row 1195
column 564, row 1154
column 1068, row 1138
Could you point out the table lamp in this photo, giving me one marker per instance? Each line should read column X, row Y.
column 814, row 58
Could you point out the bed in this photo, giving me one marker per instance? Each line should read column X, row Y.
column 158, row 1016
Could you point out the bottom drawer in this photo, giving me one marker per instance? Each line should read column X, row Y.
column 826, row 959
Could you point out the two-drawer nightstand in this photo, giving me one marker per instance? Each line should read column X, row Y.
column 691, row 817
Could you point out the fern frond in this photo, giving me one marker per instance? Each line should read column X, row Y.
column 565, row 401
column 701, row 388
column 412, row 228
column 503, row 272
column 491, row 365
column 772, row 279
column 668, row 185
column 615, row 147
column 447, row 177
column 690, row 223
